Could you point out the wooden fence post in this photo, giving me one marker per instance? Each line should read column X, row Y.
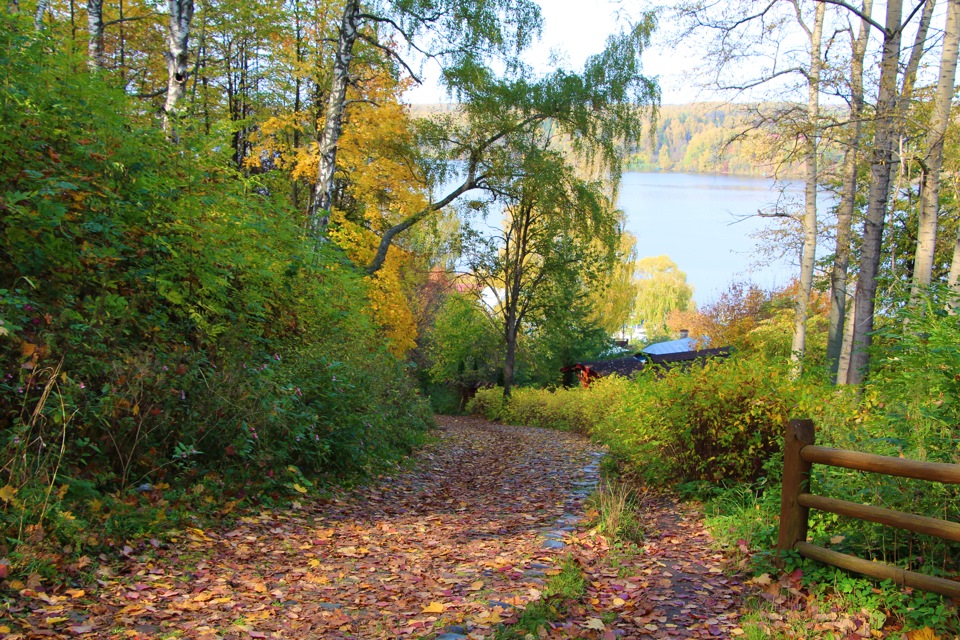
column 796, row 480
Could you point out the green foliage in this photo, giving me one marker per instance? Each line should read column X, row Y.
column 717, row 422
column 164, row 317
column 487, row 403
column 463, row 346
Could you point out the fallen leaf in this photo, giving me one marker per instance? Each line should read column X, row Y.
column 433, row 607
column 7, row 493
column 476, row 586
column 595, row 623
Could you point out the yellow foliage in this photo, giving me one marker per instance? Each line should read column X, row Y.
column 382, row 185
column 388, row 304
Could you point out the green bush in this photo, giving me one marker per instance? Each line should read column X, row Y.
column 720, row 422
column 488, row 403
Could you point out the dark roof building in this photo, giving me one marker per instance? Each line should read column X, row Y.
column 663, row 355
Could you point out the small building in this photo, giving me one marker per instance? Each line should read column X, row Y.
column 682, row 352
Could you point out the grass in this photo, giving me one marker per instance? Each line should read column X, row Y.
column 618, row 511
column 568, row 585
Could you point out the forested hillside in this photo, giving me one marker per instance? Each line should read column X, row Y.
column 710, row 138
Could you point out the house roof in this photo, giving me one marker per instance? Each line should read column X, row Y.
column 671, row 346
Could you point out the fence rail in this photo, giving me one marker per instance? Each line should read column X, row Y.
column 800, row 454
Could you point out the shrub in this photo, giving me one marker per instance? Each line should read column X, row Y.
column 487, row 403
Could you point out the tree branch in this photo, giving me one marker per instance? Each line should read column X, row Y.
column 110, row 23
column 863, row 16
column 393, row 54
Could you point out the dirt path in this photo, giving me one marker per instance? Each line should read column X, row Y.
column 454, row 547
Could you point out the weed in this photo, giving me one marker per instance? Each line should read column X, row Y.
column 617, row 505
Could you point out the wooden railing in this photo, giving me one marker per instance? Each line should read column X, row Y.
column 800, row 454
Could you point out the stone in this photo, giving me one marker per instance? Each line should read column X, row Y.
column 552, row 544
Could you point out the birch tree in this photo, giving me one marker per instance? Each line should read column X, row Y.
column 596, row 111
column 456, row 32
column 932, row 162
column 753, row 36
column 556, row 227
column 811, row 176
column 177, row 57
column 848, row 196
column 95, row 34
column 881, row 164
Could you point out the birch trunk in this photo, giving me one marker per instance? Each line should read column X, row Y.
column 319, row 213
column 846, row 344
column 881, row 164
column 848, row 196
column 38, row 14
column 808, row 253
column 95, row 34
column 930, row 195
column 177, row 53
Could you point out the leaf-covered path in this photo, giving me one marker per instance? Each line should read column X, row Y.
column 456, row 546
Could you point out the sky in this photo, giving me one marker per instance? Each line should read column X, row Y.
column 574, row 33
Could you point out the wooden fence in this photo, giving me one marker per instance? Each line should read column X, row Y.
column 800, row 454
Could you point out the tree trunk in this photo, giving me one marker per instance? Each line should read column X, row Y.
column 881, row 164
column 930, row 191
column 808, row 253
column 509, row 360
column 848, row 196
column 846, row 346
column 319, row 213
column 38, row 14
column 177, row 53
column 95, row 34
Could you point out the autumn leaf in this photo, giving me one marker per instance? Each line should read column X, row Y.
column 7, row 493
column 763, row 579
column 922, row 634
column 299, row 489
column 595, row 623
column 476, row 586
column 433, row 607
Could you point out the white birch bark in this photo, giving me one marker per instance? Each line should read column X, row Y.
column 930, row 193
column 808, row 253
column 319, row 213
column 177, row 54
column 843, row 366
column 95, row 34
column 38, row 14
